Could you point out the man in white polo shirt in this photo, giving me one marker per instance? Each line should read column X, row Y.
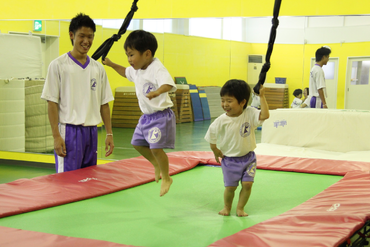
column 317, row 79
column 78, row 91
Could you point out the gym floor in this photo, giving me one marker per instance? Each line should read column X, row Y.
column 189, row 137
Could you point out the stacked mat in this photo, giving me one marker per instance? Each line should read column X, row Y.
column 38, row 136
column 214, row 100
column 12, row 120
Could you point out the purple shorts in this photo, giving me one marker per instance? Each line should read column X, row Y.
column 237, row 169
column 156, row 130
column 315, row 102
column 81, row 146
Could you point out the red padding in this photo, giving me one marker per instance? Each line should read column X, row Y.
column 310, row 224
column 25, row 195
column 306, row 165
column 11, row 237
column 327, row 219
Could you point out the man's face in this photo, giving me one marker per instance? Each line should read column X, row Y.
column 82, row 39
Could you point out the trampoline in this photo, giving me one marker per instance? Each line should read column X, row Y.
column 279, row 209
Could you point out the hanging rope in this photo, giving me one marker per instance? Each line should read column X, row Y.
column 266, row 66
column 103, row 50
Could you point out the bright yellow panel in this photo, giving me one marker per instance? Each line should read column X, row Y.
column 113, row 9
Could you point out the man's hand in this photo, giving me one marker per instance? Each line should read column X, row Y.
column 60, row 146
column 109, row 143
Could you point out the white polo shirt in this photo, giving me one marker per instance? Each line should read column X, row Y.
column 150, row 79
column 235, row 136
column 317, row 81
column 79, row 90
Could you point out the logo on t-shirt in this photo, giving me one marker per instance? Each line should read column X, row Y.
column 154, row 135
column 148, row 87
column 244, row 129
column 93, row 84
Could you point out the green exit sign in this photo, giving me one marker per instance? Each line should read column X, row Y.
column 37, row 25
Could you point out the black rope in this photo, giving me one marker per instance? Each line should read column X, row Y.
column 103, row 50
column 266, row 66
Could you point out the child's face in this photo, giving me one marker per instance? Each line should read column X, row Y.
column 299, row 96
column 305, row 93
column 231, row 106
column 138, row 60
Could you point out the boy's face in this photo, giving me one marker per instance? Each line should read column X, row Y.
column 138, row 60
column 231, row 106
column 299, row 96
column 82, row 40
column 325, row 59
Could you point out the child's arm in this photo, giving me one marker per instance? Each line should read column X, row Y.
column 118, row 68
column 217, row 152
column 162, row 89
column 265, row 114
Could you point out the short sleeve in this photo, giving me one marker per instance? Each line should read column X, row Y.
column 129, row 71
column 254, row 116
column 106, row 92
column 50, row 91
column 163, row 77
column 211, row 135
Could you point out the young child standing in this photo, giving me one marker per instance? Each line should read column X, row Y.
column 231, row 137
column 297, row 100
column 156, row 129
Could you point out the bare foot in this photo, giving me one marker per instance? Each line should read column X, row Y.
column 165, row 186
column 224, row 212
column 241, row 213
column 157, row 174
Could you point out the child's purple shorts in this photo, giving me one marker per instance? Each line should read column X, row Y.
column 237, row 169
column 156, row 130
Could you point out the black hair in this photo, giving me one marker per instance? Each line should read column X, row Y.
column 297, row 92
column 238, row 89
column 81, row 20
column 141, row 41
column 323, row 51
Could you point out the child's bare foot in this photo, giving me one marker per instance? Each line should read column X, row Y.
column 224, row 212
column 165, row 186
column 241, row 213
column 157, row 172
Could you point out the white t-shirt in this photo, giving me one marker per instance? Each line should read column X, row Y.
column 296, row 103
column 235, row 136
column 317, row 81
column 150, row 79
column 307, row 102
column 79, row 90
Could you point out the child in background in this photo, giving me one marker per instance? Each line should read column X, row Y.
column 306, row 100
column 233, row 132
column 156, row 129
column 297, row 100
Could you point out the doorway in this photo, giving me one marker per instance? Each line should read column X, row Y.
column 357, row 84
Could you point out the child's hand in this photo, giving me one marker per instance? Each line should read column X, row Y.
column 218, row 154
column 107, row 62
column 152, row 95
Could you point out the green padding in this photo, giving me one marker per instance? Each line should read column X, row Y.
column 186, row 216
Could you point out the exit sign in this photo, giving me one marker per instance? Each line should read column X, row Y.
column 37, row 25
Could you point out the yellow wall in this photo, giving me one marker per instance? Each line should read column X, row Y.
column 207, row 62
column 341, row 51
column 113, row 9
